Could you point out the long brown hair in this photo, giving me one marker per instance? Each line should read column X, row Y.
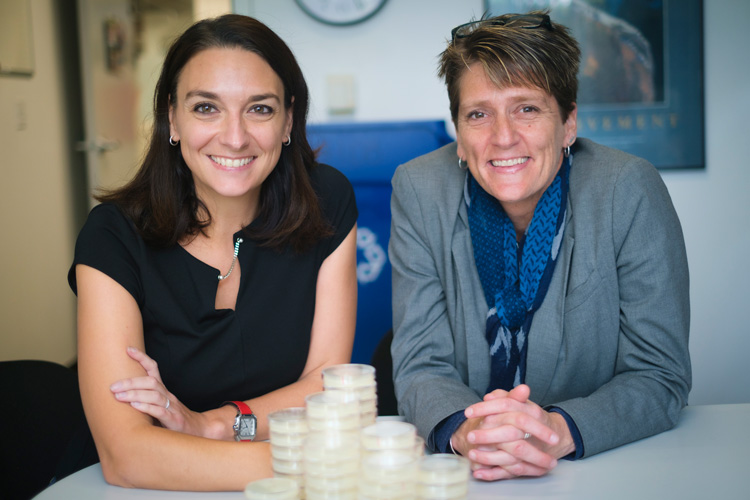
column 161, row 198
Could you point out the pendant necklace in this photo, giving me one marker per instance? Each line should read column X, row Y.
column 234, row 259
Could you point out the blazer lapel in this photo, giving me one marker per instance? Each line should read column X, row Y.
column 473, row 305
column 545, row 337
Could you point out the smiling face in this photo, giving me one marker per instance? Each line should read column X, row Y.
column 512, row 139
column 230, row 119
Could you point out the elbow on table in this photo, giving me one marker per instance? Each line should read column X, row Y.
column 121, row 471
column 128, row 456
column 678, row 390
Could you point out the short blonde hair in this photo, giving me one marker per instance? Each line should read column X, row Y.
column 527, row 50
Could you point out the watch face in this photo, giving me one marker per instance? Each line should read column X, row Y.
column 247, row 427
column 341, row 12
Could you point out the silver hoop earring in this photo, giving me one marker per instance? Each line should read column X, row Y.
column 288, row 140
column 172, row 142
column 566, row 151
column 462, row 164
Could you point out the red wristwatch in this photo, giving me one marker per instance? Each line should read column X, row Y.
column 245, row 423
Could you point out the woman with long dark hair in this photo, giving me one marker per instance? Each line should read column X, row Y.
column 216, row 285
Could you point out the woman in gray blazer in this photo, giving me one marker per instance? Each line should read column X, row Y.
column 540, row 282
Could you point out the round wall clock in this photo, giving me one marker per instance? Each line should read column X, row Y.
column 341, row 12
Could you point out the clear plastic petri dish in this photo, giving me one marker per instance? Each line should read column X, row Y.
column 389, row 434
column 331, row 404
column 273, row 488
column 288, row 420
column 348, row 375
column 443, row 469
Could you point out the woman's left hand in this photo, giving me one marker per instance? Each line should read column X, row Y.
column 149, row 395
column 501, row 451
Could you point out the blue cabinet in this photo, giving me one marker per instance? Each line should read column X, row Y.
column 368, row 154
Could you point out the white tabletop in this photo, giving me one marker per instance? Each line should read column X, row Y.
column 704, row 457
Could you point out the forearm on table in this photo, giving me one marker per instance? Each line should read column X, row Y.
column 628, row 408
column 156, row 458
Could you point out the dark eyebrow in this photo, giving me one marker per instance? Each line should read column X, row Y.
column 201, row 93
column 210, row 95
column 263, row 97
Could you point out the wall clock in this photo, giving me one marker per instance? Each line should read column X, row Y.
column 341, row 12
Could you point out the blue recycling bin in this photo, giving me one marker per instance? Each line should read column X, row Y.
column 368, row 154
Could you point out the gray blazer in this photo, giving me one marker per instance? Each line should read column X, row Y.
column 609, row 345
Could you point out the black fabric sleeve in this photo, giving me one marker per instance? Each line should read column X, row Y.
column 109, row 243
column 338, row 203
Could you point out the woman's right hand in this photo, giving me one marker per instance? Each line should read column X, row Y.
column 149, row 395
column 493, row 436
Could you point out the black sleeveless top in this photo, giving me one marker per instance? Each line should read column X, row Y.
column 208, row 356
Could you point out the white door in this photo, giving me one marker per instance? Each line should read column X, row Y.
column 110, row 92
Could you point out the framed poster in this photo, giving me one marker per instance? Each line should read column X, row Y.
column 641, row 74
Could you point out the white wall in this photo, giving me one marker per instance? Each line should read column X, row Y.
column 37, row 309
column 714, row 207
column 393, row 55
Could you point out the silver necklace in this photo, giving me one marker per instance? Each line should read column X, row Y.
column 234, row 259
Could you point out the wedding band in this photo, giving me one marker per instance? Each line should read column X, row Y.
column 166, row 407
column 525, row 436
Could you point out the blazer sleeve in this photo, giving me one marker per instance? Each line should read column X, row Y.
column 427, row 376
column 652, row 373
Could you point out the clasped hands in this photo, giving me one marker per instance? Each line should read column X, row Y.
column 492, row 437
column 148, row 395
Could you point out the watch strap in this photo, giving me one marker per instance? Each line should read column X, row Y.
column 241, row 406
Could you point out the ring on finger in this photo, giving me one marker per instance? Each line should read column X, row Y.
column 525, row 436
column 166, row 406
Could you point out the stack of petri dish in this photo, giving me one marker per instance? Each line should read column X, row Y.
column 332, row 450
column 391, row 436
column 389, row 461
column 357, row 380
column 335, row 449
column 273, row 488
column 388, row 476
column 287, row 432
column 332, row 411
column 443, row 476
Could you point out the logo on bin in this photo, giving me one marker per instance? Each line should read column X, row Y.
column 375, row 258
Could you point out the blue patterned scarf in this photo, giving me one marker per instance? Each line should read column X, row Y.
column 514, row 276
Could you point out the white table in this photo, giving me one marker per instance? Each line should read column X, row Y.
column 706, row 456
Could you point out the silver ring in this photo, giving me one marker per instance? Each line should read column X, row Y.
column 525, row 436
column 166, row 407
